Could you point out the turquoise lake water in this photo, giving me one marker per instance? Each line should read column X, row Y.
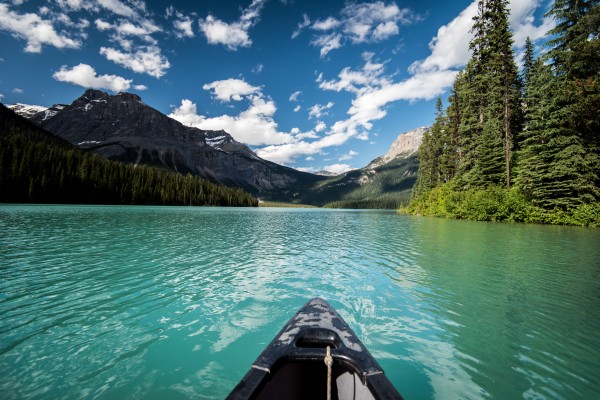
column 162, row 302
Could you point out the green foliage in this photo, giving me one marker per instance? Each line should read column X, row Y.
column 390, row 202
column 575, row 57
column 36, row 167
column 278, row 204
column 553, row 130
column 387, row 186
column 432, row 155
column 489, row 96
column 495, row 203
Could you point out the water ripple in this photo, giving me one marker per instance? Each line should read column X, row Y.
column 142, row 302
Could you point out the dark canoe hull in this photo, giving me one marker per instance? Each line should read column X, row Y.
column 292, row 366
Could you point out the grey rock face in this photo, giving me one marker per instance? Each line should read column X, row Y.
column 405, row 145
column 121, row 127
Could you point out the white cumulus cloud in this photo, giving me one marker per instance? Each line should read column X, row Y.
column 338, row 168
column 232, row 35
column 287, row 153
column 254, row 126
column 522, row 22
column 231, row 89
column 145, row 60
column 84, row 75
column 321, row 126
column 35, row 30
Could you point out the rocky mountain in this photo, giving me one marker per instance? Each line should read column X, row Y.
column 405, row 145
column 121, row 127
column 385, row 182
column 26, row 110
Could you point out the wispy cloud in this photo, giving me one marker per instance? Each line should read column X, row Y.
column 131, row 10
column 294, row 96
column 182, row 23
column 319, row 110
column 348, row 156
column 258, row 68
column 301, row 26
column 124, row 29
column 358, row 23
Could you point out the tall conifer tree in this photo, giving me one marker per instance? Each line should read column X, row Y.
column 491, row 98
column 553, row 171
column 575, row 56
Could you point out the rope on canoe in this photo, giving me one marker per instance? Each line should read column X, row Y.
column 329, row 362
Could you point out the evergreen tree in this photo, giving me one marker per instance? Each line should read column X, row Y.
column 490, row 89
column 548, row 117
column 453, row 153
column 502, row 65
column 35, row 166
column 575, row 56
column 426, row 166
column 470, row 129
column 553, row 170
column 430, row 154
column 528, row 63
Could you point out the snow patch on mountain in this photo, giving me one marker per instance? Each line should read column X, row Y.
column 26, row 110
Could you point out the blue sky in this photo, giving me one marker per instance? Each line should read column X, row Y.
column 309, row 84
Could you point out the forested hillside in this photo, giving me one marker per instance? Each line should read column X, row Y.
column 519, row 146
column 37, row 167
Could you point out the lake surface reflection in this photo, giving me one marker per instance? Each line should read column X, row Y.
column 166, row 302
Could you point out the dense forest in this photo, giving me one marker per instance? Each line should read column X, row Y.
column 37, row 167
column 519, row 145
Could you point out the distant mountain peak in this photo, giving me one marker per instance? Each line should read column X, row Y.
column 26, row 110
column 405, row 145
column 129, row 96
column 121, row 127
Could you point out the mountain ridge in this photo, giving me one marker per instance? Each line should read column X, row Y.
column 406, row 144
column 121, row 127
column 386, row 182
